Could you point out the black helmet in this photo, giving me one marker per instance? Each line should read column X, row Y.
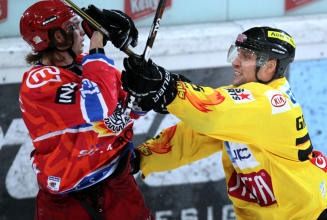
column 268, row 43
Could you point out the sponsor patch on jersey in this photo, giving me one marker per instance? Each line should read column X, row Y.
column 278, row 102
column 287, row 90
column 66, row 94
column 114, row 124
column 252, row 187
column 42, row 75
column 240, row 155
column 319, row 161
column 322, row 188
column 240, row 95
column 54, row 183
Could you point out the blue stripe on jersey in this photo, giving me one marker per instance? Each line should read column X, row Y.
column 93, row 107
column 82, row 126
column 139, row 113
column 98, row 56
column 100, row 174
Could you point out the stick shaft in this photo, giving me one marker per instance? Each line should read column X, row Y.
column 154, row 30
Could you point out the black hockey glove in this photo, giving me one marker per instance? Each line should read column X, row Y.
column 121, row 27
column 153, row 84
column 135, row 163
column 177, row 77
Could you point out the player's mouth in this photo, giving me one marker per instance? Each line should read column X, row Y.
column 237, row 74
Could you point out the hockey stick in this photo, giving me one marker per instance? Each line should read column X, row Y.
column 92, row 22
column 149, row 44
column 154, row 30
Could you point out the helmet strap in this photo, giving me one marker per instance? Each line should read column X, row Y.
column 260, row 81
column 69, row 50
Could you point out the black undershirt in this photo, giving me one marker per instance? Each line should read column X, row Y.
column 72, row 68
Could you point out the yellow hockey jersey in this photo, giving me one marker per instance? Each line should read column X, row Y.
column 271, row 169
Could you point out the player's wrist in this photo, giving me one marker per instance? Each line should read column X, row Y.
column 96, row 40
column 96, row 50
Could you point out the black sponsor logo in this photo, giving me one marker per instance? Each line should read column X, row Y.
column 127, row 137
column 49, row 20
column 300, row 123
column 235, row 93
column 66, row 94
column 117, row 121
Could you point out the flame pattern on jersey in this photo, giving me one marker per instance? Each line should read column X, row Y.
column 161, row 146
column 200, row 103
column 77, row 123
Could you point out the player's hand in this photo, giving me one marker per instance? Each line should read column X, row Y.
column 121, row 27
column 153, row 84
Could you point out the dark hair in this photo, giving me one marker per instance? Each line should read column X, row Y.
column 51, row 53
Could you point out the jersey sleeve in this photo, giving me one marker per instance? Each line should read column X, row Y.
column 54, row 99
column 252, row 114
column 174, row 147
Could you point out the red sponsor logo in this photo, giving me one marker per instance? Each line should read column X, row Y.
column 278, row 100
column 291, row 4
column 241, row 38
column 41, row 76
column 3, row 9
column 319, row 160
column 252, row 187
column 140, row 8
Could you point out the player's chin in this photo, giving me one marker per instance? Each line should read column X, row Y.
column 79, row 51
column 237, row 82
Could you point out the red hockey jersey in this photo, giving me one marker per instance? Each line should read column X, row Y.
column 77, row 123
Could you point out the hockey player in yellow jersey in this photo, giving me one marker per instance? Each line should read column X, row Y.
column 272, row 170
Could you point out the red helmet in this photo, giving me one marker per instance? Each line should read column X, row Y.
column 38, row 19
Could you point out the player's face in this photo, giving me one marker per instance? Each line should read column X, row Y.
column 244, row 67
column 78, row 39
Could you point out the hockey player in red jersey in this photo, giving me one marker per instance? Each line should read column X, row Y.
column 74, row 108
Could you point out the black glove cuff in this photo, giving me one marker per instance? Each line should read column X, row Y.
column 97, row 50
column 135, row 163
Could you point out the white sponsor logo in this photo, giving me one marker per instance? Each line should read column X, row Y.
column 240, row 95
column 66, row 94
column 322, row 188
column 240, row 155
column 45, row 73
column 142, row 5
column 287, row 90
column 278, row 102
column 278, row 51
column 49, row 20
column 37, row 40
column 54, row 183
column 35, row 169
column 321, row 162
